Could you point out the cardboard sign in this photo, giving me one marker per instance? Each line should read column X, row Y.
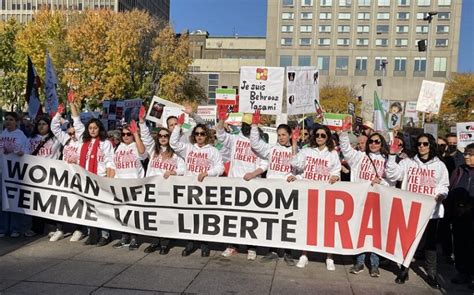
column 431, row 94
column 208, row 114
column 302, row 90
column 225, row 96
column 395, row 114
column 465, row 132
column 411, row 115
column 261, row 88
column 338, row 121
column 155, row 111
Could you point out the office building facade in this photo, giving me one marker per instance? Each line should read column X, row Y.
column 23, row 10
column 350, row 40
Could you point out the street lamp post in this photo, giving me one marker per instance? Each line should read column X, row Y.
column 429, row 17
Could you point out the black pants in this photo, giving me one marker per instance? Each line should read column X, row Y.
column 445, row 236
column 463, row 234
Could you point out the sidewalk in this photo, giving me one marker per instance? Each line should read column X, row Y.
column 42, row 267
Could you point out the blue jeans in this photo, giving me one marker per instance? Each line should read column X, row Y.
column 11, row 221
column 374, row 259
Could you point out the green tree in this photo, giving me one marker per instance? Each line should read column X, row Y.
column 12, row 80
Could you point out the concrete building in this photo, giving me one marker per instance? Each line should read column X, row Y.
column 23, row 10
column 217, row 60
column 349, row 39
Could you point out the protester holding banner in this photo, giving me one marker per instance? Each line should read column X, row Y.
column 201, row 158
column 279, row 167
column 319, row 162
column 367, row 166
column 96, row 155
column 128, row 165
column 163, row 161
column 71, row 145
column 244, row 163
column 44, row 144
column 426, row 174
column 461, row 201
column 12, row 141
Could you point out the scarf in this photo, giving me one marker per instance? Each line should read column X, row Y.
column 93, row 156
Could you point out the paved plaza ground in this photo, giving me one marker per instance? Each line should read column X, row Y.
column 37, row 266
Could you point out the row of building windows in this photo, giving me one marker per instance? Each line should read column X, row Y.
column 402, row 16
column 361, row 64
column 56, row 4
column 380, row 29
column 380, row 42
column 346, row 3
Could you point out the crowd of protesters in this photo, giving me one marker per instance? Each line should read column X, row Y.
column 135, row 151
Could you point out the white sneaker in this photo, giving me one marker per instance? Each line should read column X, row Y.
column 58, row 235
column 330, row 264
column 51, row 233
column 229, row 252
column 302, row 262
column 251, row 255
column 76, row 236
column 14, row 235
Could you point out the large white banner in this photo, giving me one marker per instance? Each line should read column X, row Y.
column 343, row 218
column 302, row 89
column 261, row 88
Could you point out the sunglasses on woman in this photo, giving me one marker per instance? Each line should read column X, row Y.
column 423, row 143
column 163, row 135
column 374, row 141
column 126, row 134
column 200, row 134
column 320, row 135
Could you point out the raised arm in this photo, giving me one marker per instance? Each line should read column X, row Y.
column 178, row 146
column 350, row 154
column 258, row 145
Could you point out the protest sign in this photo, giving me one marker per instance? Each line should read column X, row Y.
column 431, row 128
column 208, row 114
column 338, row 121
column 411, row 115
column 226, row 96
column 395, row 114
column 261, row 88
column 341, row 218
column 155, row 111
column 271, row 132
column 465, row 133
column 302, row 89
column 235, row 119
column 429, row 99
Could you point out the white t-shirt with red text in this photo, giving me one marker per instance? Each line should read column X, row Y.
column 105, row 156
column 71, row 147
column 128, row 161
column 430, row 178
column 197, row 159
column 51, row 149
column 362, row 165
column 14, row 141
column 278, row 156
column 315, row 164
column 242, row 158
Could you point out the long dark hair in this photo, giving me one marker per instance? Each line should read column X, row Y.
column 36, row 131
column 102, row 132
column 192, row 138
column 384, row 149
column 329, row 142
column 432, row 145
column 169, row 152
